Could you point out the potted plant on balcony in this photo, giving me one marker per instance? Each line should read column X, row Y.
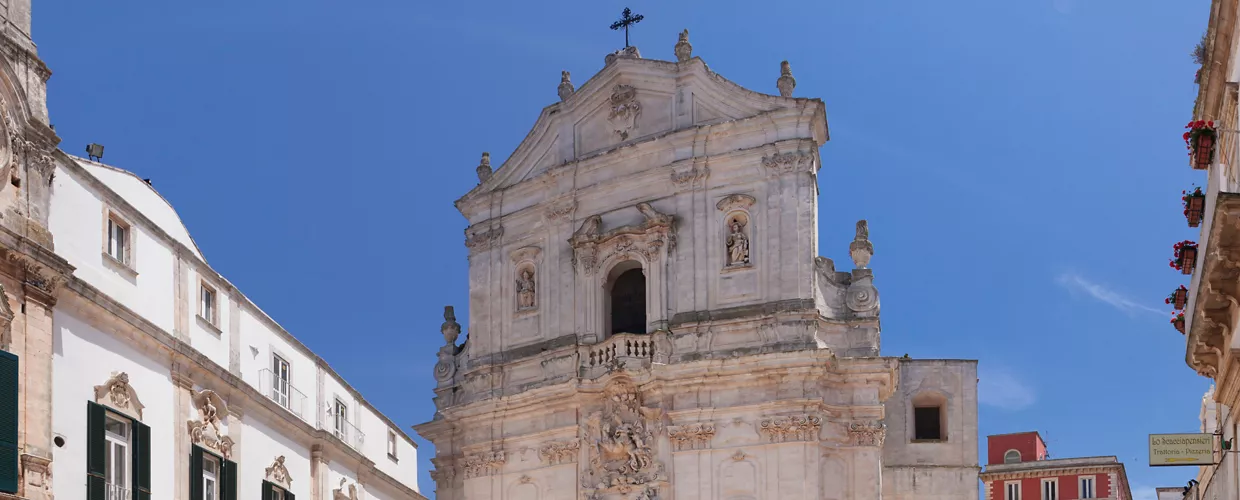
column 1178, row 322
column 1185, row 256
column 1200, row 140
column 1194, row 206
column 1178, row 299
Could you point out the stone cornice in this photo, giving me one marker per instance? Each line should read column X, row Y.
column 1214, row 298
column 1036, row 472
column 70, row 163
column 187, row 363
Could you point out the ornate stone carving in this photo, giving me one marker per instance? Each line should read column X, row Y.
column 795, row 161
column 483, row 239
column 786, row 83
column 560, row 452
column 619, row 440
column 485, row 464
column 526, row 299
column 484, row 168
column 790, row 428
column 870, row 433
column 695, row 436
column 341, row 493
column 6, row 320
column 206, row 431
column 37, row 276
column 653, row 216
column 119, row 394
column 629, row 52
column 560, row 211
column 278, row 474
column 444, row 472
column 565, row 90
column 737, row 242
column 739, row 456
column 735, row 202
column 591, row 246
column 625, row 109
column 684, row 49
column 450, row 328
column 861, row 249
column 690, row 176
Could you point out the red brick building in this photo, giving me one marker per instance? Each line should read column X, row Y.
column 1018, row 468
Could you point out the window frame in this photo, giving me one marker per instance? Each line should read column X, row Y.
column 1011, row 490
column 277, row 493
column 941, row 434
column 113, row 441
column 112, row 221
column 1006, row 454
column 283, row 398
column 210, row 317
column 211, row 479
column 1050, row 488
column 1092, row 481
column 392, row 445
column 341, row 414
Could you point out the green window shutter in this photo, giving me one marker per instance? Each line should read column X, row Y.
column 228, row 480
column 9, row 405
column 195, row 474
column 288, row 495
column 141, row 461
column 96, row 447
column 266, row 490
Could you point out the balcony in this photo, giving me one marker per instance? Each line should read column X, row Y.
column 344, row 430
column 116, row 492
column 282, row 392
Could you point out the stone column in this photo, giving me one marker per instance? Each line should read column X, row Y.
column 182, row 387
column 32, row 341
column 318, row 474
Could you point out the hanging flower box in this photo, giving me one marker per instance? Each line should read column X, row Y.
column 1200, row 141
column 1194, row 206
column 1185, row 256
column 1179, row 298
column 1178, row 322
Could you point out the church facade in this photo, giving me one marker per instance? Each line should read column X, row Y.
column 132, row 370
column 649, row 317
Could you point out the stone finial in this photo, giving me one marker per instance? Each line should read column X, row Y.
column 484, row 168
column 786, row 82
column 450, row 328
column 566, row 86
column 861, row 249
column 684, row 49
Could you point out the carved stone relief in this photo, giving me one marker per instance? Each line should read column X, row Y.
column 690, row 176
column 560, row 211
column 343, row 493
column 735, row 202
column 592, row 247
column 790, row 428
column 526, row 297
column 482, row 239
column 277, row 473
column 625, row 109
column 695, row 436
column 560, row 452
column 206, row 430
column 737, row 242
column 118, row 394
column 619, row 442
column 484, row 464
column 871, row 433
column 796, row 161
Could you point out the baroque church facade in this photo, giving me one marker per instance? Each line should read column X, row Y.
column 129, row 368
column 649, row 317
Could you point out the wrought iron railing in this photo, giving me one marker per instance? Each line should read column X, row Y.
column 282, row 392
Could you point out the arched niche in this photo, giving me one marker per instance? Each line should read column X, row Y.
column 625, row 298
column 737, row 230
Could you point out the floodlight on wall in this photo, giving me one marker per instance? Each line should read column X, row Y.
column 95, row 151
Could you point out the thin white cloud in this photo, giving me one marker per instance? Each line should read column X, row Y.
column 1000, row 389
column 1075, row 283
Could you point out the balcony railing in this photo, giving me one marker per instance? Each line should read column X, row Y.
column 116, row 492
column 344, row 430
column 621, row 346
column 282, row 392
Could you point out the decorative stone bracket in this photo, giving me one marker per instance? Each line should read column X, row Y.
column 1216, row 307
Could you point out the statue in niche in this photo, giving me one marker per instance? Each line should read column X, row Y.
column 738, row 243
column 525, row 290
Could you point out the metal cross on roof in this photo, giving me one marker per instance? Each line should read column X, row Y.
column 627, row 19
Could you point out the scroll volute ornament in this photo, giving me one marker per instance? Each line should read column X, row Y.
column 593, row 247
column 278, row 474
column 206, row 430
column 117, row 394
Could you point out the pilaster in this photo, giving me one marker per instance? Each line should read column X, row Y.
column 182, row 387
column 234, row 333
column 318, row 474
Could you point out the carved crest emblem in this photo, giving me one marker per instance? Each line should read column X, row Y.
column 625, row 109
column 117, row 393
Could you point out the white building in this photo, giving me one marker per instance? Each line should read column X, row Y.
column 129, row 368
column 649, row 316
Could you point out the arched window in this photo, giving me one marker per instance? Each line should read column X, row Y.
column 626, row 299
column 1011, row 457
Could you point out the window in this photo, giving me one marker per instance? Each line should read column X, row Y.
column 1087, row 487
column 342, row 420
column 626, row 299
column 207, row 305
column 277, row 494
column 391, row 444
column 1011, row 457
column 9, row 418
column 210, row 478
column 1050, row 489
column 116, row 457
column 279, row 380
column 1012, row 490
column 927, row 424
column 118, row 240
column 273, row 492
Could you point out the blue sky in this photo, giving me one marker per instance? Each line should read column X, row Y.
column 1019, row 162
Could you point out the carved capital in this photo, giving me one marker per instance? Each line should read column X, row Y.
column 694, row 436
column 485, row 464
column 560, row 452
column 790, row 428
column 796, row 161
column 871, row 433
column 483, row 239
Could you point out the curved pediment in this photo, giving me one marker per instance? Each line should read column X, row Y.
column 633, row 101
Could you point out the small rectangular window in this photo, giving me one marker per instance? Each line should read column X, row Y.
column 927, row 424
column 391, row 444
column 1087, row 487
column 118, row 240
column 116, row 458
column 207, row 307
column 1012, row 491
column 342, row 420
column 210, row 478
column 279, row 380
column 277, row 494
column 1050, row 489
